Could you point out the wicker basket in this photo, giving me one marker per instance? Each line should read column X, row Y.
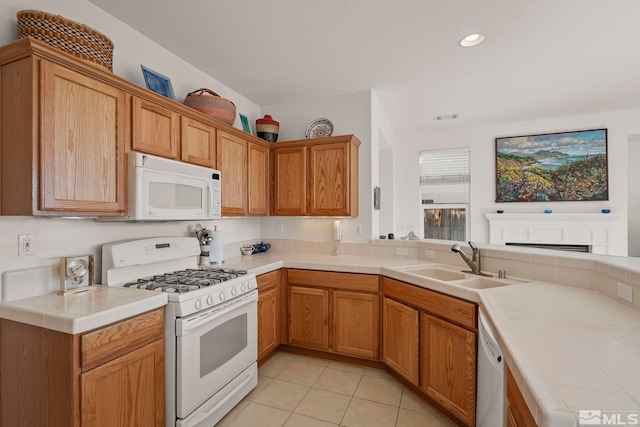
column 212, row 105
column 69, row 36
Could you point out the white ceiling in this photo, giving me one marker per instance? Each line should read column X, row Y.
column 541, row 58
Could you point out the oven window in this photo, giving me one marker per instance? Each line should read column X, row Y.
column 222, row 344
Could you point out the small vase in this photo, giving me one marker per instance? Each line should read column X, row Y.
column 204, row 254
column 267, row 128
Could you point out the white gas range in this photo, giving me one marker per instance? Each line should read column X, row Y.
column 210, row 324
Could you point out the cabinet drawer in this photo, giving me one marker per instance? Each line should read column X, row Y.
column 453, row 309
column 334, row 280
column 267, row 281
column 107, row 343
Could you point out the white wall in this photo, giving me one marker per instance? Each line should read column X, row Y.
column 481, row 140
column 58, row 237
column 384, row 140
column 633, row 195
column 350, row 114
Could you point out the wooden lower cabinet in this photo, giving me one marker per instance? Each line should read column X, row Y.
column 309, row 317
column 400, row 333
column 356, row 324
column 269, row 313
column 334, row 312
column 448, row 366
column 431, row 340
column 518, row 413
column 123, row 392
column 112, row 376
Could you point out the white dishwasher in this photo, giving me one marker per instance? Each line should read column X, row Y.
column 490, row 400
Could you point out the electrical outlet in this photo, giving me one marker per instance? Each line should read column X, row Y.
column 280, row 228
column 402, row 251
column 430, row 254
column 358, row 229
column 625, row 292
column 25, row 244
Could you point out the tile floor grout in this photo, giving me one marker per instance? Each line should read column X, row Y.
column 366, row 402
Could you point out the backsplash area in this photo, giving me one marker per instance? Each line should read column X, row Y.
column 586, row 271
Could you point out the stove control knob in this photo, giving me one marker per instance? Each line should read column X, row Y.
column 209, row 300
column 222, row 296
column 251, row 284
column 243, row 287
column 234, row 291
column 198, row 304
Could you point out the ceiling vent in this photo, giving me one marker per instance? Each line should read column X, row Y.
column 446, row 117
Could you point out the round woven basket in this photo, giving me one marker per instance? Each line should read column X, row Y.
column 69, row 36
column 213, row 105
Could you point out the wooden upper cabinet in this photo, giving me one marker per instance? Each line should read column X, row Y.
column 232, row 162
column 316, row 177
column 197, row 143
column 82, row 142
column 329, row 179
column 289, row 172
column 258, row 179
column 155, row 129
column 62, row 141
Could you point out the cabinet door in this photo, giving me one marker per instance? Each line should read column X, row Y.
column 128, row 391
column 155, row 129
column 197, row 143
column 232, row 162
column 289, row 176
column 309, row 317
column 518, row 413
column 82, row 143
column 268, row 324
column 329, row 179
column 400, row 339
column 269, row 313
column 448, row 371
column 356, row 325
column 258, row 180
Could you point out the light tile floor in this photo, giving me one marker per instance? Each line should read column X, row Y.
column 301, row 391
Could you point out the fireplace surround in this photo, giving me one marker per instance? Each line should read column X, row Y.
column 559, row 230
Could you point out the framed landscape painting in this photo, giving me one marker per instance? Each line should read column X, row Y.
column 567, row 166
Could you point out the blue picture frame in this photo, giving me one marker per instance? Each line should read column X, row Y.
column 245, row 124
column 157, row 82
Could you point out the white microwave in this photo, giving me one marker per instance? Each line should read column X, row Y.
column 164, row 190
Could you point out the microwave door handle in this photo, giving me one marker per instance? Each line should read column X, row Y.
column 210, row 205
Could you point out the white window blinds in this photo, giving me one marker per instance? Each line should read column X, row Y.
column 444, row 176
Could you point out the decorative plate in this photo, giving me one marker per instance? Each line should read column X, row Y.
column 319, row 128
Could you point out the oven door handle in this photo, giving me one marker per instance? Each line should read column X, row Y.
column 185, row 326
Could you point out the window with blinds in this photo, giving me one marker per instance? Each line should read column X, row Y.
column 444, row 176
column 444, row 193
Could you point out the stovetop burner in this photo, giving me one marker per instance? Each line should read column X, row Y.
column 185, row 280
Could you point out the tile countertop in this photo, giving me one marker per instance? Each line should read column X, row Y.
column 82, row 312
column 568, row 348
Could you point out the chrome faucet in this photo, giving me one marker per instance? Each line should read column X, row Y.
column 473, row 262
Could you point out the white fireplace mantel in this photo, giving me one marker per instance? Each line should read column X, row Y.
column 589, row 229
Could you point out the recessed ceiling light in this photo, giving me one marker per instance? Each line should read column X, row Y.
column 472, row 40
